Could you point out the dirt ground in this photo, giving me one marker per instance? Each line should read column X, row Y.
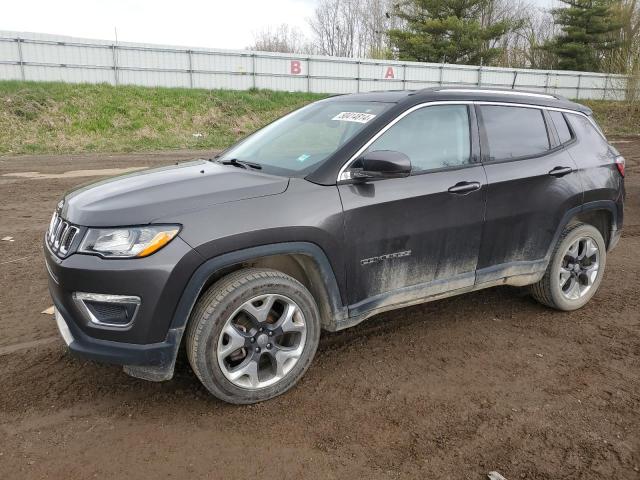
column 448, row 390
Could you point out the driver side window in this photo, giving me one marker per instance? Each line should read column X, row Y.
column 432, row 137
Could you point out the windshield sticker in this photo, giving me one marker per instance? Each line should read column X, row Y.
column 354, row 117
column 303, row 157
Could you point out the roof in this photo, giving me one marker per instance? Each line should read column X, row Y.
column 468, row 94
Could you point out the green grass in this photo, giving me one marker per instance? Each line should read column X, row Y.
column 616, row 118
column 68, row 118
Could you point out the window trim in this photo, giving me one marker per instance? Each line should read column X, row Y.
column 471, row 159
column 343, row 175
column 552, row 132
column 569, row 127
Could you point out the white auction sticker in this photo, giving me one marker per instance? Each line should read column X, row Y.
column 354, row 117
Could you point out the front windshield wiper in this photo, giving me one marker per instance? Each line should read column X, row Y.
column 240, row 163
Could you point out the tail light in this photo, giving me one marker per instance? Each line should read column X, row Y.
column 620, row 164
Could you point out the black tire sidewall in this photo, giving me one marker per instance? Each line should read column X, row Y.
column 214, row 320
column 558, row 298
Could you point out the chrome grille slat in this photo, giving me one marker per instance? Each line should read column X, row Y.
column 60, row 235
column 63, row 236
column 54, row 226
column 68, row 239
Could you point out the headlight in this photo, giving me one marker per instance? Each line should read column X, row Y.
column 127, row 242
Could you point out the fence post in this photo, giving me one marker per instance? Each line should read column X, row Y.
column 253, row 70
column 604, row 90
column 515, row 77
column 546, row 83
column 441, row 73
column 404, row 76
column 190, row 69
column 115, row 62
column 480, row 76
column 20, row 58
column 308, row 74
column 578, row 86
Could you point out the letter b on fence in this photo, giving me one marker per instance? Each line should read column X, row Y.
column 296, row 67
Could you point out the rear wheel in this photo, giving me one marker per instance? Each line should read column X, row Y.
column 575, row 270
column 252, row 335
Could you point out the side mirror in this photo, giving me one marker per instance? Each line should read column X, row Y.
column 382, row 164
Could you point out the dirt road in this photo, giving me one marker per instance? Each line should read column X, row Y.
column 448, row 390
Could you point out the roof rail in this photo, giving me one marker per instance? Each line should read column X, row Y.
column 497, row 92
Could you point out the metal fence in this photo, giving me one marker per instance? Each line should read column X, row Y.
column 44, row 57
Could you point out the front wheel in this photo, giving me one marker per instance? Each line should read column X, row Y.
column 252, row 335
column 575, row 270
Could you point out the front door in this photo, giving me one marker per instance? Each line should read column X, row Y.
column 410, row 238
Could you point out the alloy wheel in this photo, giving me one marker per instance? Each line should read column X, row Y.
column 261, row 341
column 579, row 268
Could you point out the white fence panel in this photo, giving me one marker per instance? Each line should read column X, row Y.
column 421, row 73
column 43, row 57
column 460, row 75
column 9, row 51
column 10, row 72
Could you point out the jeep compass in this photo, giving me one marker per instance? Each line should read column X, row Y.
column 345, row 208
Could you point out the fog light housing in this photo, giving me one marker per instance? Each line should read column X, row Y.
column 107, row 311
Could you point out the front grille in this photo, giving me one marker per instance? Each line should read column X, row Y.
column 61, row 235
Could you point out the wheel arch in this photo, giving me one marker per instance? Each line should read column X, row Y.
column 602, row 214
column 304, row 261
column 600, row 218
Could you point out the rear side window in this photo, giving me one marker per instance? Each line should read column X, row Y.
column 432, row 137
column 561, row 126
column 514, row 132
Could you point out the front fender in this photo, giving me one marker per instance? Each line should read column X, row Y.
column 217, row 264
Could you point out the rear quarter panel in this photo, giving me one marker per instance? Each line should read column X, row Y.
column 594, row 159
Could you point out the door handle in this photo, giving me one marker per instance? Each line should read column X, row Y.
column 560, row 171
column 465, row 187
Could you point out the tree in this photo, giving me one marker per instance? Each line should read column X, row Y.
column 351, row 28
column 522, row 48
column 283, row 39
column 625, row 58
column 448, row 30
column 586, row 38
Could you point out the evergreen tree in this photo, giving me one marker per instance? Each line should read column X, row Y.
column 586, row 34
column 446, row 30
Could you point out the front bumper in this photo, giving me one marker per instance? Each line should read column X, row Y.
column 148, row 347
column 151, row 362
column 614, row 239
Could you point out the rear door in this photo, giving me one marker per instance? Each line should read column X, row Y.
column 532, row 183
column 407, row 238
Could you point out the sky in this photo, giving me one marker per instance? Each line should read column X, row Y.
column 195, row 23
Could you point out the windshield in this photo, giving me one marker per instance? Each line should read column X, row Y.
column 298, row 142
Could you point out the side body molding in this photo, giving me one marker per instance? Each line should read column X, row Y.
column 210, row 267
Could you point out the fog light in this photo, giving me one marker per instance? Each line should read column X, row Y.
column 110, row 311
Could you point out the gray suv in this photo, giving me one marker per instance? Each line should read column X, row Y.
column 343, row 209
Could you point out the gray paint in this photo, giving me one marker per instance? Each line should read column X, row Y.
column 502, row 233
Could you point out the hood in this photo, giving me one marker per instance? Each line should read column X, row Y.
column 141, row 197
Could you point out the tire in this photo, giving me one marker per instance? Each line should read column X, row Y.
column 234, row 310
column 554, row 290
